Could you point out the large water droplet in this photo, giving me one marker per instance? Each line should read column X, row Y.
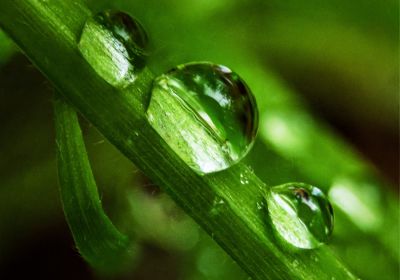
column 206, row 114
column 114, row 43
column 300, row 214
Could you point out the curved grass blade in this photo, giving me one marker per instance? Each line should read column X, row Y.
column 100, row 243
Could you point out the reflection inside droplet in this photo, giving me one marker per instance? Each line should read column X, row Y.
column 114, row 43
column 300, row 214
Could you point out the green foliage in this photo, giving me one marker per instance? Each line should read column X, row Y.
column 117, row 113
column 309, row 151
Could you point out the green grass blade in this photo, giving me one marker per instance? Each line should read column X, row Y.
column 98, row 240
column 295, row 144
column 48, row 33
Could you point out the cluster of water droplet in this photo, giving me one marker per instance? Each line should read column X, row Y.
column 203, row 111
column 207, row 114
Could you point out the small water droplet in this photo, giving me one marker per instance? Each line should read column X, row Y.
column 114, row 43
column 243, row 179
column 315, row 258
column 245, row 175
column 214, row 117
column 219, row 201
column 300, row 214
column 260, row 205
column 217, row 206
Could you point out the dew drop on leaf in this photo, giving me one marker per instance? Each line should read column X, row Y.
column 301, row 214
column 260, row 205
column 205, row 113
column 218, row 206
column 244, row 180
column 245, row 175
column 295, row 263
column 114, row 44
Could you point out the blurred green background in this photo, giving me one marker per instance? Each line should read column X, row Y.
column 339, row 59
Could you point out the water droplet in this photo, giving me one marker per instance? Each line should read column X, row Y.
column 114, row 43
column 206, row 113
column 245, row 175
column 243, row 179
column 300, row 214
column 260, row 205
column 217, row 206
column 295, row 263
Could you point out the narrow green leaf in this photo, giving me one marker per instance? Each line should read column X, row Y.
column 98, row 240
